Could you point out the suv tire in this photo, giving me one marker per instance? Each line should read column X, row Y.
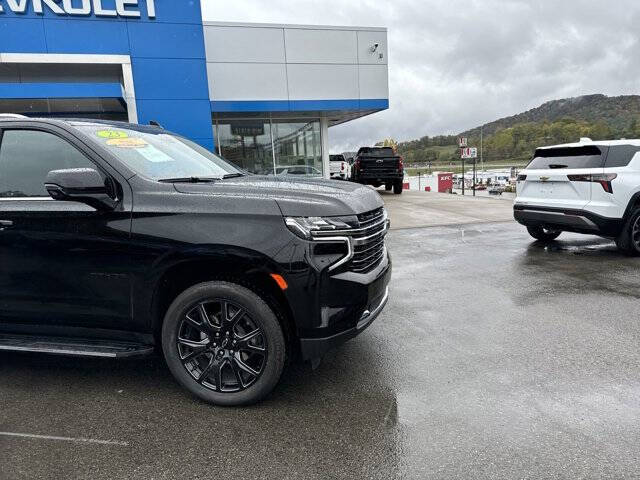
column 397, row 187
column 214, row 344
column 626, row 241
column 388, row 186
column 543, row 234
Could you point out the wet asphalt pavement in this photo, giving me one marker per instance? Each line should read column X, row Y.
column 496, row 357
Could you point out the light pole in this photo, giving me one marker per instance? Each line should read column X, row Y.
column 481, row 148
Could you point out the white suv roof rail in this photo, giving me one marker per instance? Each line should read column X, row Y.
column 11, row 115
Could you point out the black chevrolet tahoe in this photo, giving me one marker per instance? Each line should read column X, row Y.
column 117, row 239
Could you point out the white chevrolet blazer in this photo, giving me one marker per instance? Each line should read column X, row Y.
column 590, row 187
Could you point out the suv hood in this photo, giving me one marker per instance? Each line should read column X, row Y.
column 306, row 197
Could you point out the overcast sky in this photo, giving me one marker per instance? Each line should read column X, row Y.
column 456, row 64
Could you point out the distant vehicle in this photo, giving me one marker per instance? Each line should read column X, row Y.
column 298, row 170
column 379, row 166
column 496, row 189
column 586, row 187
column 339, row 167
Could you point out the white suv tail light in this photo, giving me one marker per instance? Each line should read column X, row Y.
column 603, row 179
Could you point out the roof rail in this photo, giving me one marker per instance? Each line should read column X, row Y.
column 11, row 115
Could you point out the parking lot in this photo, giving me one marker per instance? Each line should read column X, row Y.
column 496, row 357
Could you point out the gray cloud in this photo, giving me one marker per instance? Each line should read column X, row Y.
column 456, row 64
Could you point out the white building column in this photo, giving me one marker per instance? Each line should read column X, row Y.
column 324, row 140
column 129, row 92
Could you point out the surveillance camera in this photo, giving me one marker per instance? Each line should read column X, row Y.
column 374, row 47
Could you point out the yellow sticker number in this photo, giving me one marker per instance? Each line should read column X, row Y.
column 112, row 134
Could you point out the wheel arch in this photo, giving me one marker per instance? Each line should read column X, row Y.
column 249, row 269
column 633, row 203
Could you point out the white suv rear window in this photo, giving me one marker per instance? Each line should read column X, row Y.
column 590, row 156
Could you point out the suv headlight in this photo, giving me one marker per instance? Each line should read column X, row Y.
column 307, row 227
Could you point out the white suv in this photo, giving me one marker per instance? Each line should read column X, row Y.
column 586, row 187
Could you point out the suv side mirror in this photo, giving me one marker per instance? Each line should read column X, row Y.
column 85, row 185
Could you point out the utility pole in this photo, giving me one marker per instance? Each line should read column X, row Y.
column 462, row 143
column 463, row 176
column 482, row 148
column 474, row 176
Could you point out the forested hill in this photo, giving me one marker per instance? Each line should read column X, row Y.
column 513, row 140
column 616, row 112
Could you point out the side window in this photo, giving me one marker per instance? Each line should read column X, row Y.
column 26, row 156
column 621, row 155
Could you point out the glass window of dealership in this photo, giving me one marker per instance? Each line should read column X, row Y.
column 269, row 144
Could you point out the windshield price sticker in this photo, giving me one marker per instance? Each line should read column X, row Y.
column 112, row 134
column 127, row 143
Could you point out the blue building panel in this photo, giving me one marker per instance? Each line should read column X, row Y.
column 191, row 118
column 158, row 78
column 86, row 36
column 250, row 106
column 22, row 35
column 168, row 40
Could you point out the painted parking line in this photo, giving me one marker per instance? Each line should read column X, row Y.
column 64, row 439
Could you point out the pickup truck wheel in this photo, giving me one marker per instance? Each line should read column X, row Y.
column 543, row 234
column 388, row 187
column 397, row 187
column 629, row 239
column 223, row 343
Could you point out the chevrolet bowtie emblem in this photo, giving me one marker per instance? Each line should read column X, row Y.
column 544, row 179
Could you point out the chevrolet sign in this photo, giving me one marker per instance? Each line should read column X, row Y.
column 123, row 8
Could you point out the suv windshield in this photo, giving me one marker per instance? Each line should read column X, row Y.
column 160, row 155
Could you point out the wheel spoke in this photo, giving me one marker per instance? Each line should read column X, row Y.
column 253, row 348
column 195, row 344
column 244, row 343
column 238, row 373
column 243, row 366
column 233, row 321
column 197, row 325
column 207, row 370
column 205, row 316
column 250, row 336
column 197, row 347
column 217, row 374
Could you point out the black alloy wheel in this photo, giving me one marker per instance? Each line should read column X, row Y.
column 223, row 343
column 221, row 346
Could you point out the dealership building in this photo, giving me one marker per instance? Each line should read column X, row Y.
column 263, row 96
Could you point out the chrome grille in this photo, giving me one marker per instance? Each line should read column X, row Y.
column 368, row 241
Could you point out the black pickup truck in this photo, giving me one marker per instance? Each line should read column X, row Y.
column 379, row 166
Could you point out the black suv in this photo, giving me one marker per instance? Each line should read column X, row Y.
column 117, row 238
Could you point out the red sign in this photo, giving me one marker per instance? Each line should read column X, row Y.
column 445, row 182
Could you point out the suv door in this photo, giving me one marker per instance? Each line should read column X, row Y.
column 62, row 264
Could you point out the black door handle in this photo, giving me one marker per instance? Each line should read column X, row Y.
column 6, row 223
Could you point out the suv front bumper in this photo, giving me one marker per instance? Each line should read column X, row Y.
column 377, row 296
column 567, row 220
